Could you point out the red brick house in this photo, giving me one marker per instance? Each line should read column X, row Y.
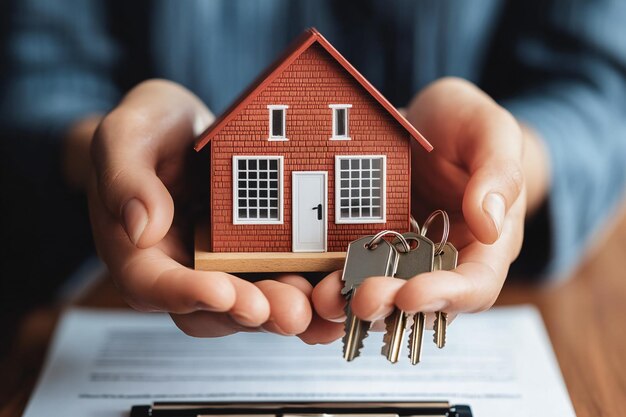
column 309, row 158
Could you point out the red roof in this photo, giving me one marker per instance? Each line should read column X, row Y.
column 300, row 45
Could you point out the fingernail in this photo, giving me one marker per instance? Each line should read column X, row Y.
column 243, row 319
column 135, row 219
column 272, row 323
column 338, row 319
column 200, row 305
column 381, row 313
column 495, row 207
column 438, row 305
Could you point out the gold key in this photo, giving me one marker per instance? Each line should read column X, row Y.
column 417, row 260
column 440, row 327
column 445, row 260
column 415, row 338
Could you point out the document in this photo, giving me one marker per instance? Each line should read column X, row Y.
column 102, row 362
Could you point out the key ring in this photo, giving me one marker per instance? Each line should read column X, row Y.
column 415, row 227
column 446, row 228
column 378, row 237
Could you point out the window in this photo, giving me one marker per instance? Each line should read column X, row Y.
column 257, row 189
column 340, row 121
column 360, row 189
column 277, row 121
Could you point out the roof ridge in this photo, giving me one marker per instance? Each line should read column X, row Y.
column 297, row 47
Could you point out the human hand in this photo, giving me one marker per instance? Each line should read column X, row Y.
column 475, row 173
column 138, row 197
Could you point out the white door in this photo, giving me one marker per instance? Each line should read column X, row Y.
column 309, row 212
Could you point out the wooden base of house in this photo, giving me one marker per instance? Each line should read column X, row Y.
column 204, row 260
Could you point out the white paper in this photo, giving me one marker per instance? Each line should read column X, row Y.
column 102, row 362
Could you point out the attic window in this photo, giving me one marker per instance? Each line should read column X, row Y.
column 340, row 121
column 277, row 121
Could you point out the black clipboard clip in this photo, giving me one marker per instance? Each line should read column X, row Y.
column 301, row 409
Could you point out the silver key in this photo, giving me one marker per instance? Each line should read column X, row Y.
column 366, row 257
column 416, row 261
column 445, row 260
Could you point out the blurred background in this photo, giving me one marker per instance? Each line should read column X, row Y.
column 64, row 60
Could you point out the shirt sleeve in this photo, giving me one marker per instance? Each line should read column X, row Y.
column 60, row 67
column 57, row 67
column 574, row 68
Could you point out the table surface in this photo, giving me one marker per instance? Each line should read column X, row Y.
column 584, row 316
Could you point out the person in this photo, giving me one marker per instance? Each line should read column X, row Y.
column 524, row 102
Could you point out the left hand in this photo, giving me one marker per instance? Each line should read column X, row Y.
column 140, row 196
column 475, row 173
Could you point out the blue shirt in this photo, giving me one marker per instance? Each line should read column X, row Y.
column 559, row 66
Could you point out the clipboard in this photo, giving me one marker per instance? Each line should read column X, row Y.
column 301, row 409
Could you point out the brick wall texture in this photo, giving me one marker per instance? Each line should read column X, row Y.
column 308, row 85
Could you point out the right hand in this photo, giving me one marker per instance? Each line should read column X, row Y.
column 136, row 195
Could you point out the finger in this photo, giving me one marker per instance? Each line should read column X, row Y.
column 207, row 324
column 298, row 282
column 155, row 121
column 475, row 284
column 251, row 307
column 489, row 194
column 470, row 288
column 290, row 309
column 485, row 139
column 153, row 281
column 321, row 331
column 327, row 299
column 493, row 153
column 140, row 201
column 374, row 299
column 150, row 280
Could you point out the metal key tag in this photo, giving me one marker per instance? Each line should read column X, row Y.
column 446, row 259
column 364, row 260
column 366, row 257
column 418, row 260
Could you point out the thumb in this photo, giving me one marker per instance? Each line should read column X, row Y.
column 153, row 126
column 137, row 197
column 127, row 182
column 491, row 191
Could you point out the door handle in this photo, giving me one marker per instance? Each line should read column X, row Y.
column 319, row 211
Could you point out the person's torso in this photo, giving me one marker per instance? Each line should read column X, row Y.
column 216, row 48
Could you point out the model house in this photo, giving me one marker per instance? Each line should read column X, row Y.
column 308, row 159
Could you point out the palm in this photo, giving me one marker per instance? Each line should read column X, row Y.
column 439, row 182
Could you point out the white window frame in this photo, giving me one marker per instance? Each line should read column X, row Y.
column 281, row 185
column 271, row 109
column 383, row 190
column 334, row 108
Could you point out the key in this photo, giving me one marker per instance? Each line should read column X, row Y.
column 363, row 260
column 417, row 260
column 446, row 260
column 415, row 338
